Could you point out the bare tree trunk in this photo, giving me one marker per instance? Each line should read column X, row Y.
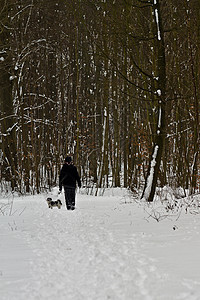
column 155, row 160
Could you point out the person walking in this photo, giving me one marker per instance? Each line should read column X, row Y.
column 67, row 179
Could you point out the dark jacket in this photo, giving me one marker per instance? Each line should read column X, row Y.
column 69, row 176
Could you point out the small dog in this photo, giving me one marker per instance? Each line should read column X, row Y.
column 52, row 203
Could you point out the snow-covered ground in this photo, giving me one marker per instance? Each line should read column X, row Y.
column 108, row 248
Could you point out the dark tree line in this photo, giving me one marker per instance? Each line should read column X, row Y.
column 114, row 83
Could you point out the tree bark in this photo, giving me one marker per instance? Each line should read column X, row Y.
column 155, row 160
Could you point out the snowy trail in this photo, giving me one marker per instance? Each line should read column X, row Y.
column 80, row 257
column 105, row 249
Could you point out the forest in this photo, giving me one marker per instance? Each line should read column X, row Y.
column 113, row 83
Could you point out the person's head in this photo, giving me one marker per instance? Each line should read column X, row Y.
column 68, row 160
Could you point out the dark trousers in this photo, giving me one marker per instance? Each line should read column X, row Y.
column 70, row 197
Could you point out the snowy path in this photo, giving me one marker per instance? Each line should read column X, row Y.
column 103, row 250
column 79, row 253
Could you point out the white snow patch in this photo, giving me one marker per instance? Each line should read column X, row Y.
column 159, row 92
column 157, row 21
column 150, row 177
column 159, row 117
column 12, row 78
